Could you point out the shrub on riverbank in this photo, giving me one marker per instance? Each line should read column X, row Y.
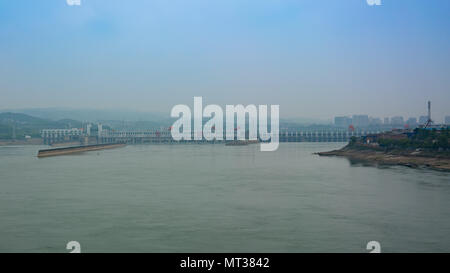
column 420, row 139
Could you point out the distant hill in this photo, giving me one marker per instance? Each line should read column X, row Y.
column 20, row 118
column 91, row 115
column 24, row 125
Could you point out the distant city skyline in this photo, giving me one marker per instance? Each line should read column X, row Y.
column 365, row 120
column 86, row 114
column 316, row 59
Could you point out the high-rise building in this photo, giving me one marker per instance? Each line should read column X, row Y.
column 423, row 120
column 343, row 122
column 386, row 121
column 447, row 120
column 398, row 120
column 412, row 122
column 360, row 120
column 375, row 121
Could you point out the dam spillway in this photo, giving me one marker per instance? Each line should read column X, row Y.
column 152, row 136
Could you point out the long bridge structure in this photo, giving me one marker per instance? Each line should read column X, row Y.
column 164, row 136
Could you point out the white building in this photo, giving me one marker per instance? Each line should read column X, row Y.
column 100, row 129
column 46, row 133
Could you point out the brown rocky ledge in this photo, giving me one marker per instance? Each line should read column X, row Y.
column 413, row 159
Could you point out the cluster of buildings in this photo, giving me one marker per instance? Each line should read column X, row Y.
column 364, row 121
column 397, row 122
column 83, row 135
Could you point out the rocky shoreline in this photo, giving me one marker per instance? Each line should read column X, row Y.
column 412, row 159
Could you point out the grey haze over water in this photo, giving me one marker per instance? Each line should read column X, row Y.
column 213, row 198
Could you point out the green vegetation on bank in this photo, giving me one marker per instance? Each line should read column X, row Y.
column 421, row 139
column 426, row 139
column 17, row 125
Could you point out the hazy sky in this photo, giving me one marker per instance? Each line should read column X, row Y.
column 315, row 58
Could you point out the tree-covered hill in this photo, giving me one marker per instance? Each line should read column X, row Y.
column 22, row 125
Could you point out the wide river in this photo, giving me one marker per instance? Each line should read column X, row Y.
column 216, row 198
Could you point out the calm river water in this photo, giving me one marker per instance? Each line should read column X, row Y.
column 216, row 198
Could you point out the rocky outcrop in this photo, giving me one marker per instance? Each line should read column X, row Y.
column 413, row 159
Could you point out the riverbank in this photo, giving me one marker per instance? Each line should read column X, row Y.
column 412, row 159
